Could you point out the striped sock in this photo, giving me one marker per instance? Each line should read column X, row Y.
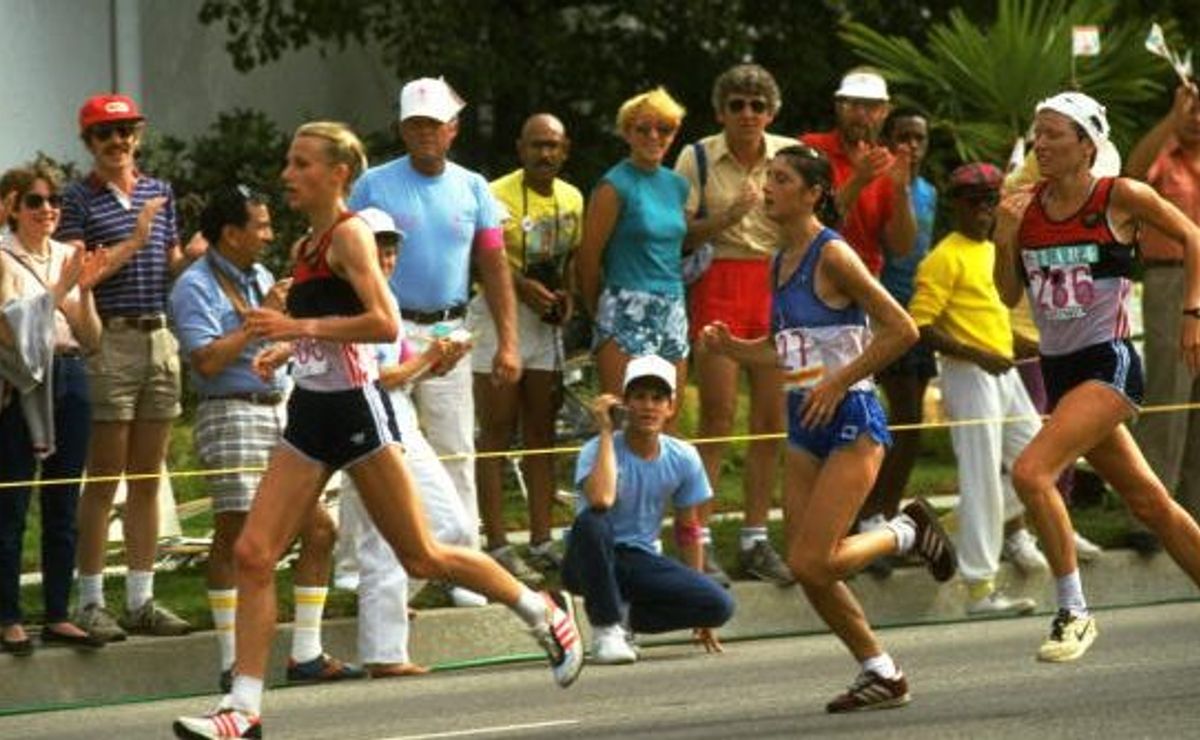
column 223, row 603
column 306, row 630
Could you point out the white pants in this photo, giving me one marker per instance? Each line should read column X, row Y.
column 382, row 580
column 446, row 407
column 985, row 455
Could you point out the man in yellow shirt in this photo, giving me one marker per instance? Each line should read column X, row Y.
column 960, row 315
column 542, row 229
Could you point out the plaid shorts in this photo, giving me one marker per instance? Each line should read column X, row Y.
column 232, row 433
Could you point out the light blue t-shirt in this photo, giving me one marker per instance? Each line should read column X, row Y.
column 645, row 486
column 645, row 251
column 899, row 272
column 440, row 216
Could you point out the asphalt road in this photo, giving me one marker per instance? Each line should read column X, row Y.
column 976, row 680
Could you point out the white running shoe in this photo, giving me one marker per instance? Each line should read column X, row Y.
column 222, row 722
column 1086, row 551
column 1070, row 637
column 559, row 637
column 610, row 646
column 999, row 604
column 1021, row 549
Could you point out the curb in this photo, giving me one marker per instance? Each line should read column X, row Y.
column 151, row 668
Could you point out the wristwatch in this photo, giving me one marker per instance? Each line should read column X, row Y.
column 1193, row 312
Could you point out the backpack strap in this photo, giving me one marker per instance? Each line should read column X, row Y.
column 702, row 173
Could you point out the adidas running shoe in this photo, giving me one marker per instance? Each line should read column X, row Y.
column 932, row 544
column 559, row 637
column 223, row 722
column 871, row 691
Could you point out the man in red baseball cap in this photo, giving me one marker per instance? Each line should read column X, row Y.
column 133, row 379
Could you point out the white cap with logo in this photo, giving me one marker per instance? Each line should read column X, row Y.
column 430, row 98
column 1081, row 109
column 863, row 85
column 649, row 366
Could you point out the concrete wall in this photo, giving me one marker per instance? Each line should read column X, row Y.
column 61, row 51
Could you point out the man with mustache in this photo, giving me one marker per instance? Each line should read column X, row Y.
column 134, row 376
column 542, row 230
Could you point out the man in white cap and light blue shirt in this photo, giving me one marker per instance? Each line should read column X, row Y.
column 450, row 221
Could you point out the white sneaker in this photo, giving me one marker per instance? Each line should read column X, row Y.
column 1086, row 551
column 999, row 604
column 1021, row 549
column 610, row 646
column 465, row 597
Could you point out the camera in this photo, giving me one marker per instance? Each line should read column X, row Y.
column 618, row 415
column 549, row 274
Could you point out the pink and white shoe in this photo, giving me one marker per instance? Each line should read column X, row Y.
column 559, row 637
column 222, row 722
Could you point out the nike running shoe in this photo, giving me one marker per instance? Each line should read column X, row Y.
column 1070, row 637
column 932, row 544
column 559, row 637
column 871, row 691
column 223, row 722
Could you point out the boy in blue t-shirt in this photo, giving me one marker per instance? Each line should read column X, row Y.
column 625, row 480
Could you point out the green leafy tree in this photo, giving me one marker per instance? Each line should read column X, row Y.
column 980, row 81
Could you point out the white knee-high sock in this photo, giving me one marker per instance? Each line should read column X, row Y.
column 306, row 630
column 223, row 603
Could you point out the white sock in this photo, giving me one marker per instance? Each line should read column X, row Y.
column 705, row 536
column 247, row 694
column 223, row 603
column 881, row 665
column 905, row 530
column 306, row 630
column 750, row 535
column 872, row 523
column 139, row 588
column 91, row 590
column 1070, row 594
column 530, row 607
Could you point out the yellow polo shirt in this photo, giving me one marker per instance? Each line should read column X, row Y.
column 955, row 292
column 755, row 236
column 538, row 227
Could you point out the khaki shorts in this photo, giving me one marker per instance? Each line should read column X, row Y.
column 539, row 343
column 134, row 375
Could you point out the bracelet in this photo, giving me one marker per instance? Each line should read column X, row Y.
column 1193, row 312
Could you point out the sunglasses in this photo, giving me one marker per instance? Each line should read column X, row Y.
column 105, row 131
column 34, row 201
column 979, row 197
column 737, row 105
column 664, row 129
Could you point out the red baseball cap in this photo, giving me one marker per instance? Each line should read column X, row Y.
column 107, row 109
column 976, row 176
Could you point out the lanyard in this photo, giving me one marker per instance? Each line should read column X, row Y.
column 527, row 222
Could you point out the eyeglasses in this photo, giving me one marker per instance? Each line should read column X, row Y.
column 664, row 129
column 105, row 131
column 34, row 201
column 737, row 105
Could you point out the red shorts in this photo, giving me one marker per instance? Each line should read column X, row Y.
column 737, row 292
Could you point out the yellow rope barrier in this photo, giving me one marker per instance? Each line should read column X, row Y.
column 1160, row 409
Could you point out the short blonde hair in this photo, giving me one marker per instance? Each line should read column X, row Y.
column 657, row 101
column 342, row 146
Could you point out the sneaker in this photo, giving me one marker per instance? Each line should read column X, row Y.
column 99, row 623
column 610, row 646
column 465, row 597
column 932, row 544
column 713, row 569
column 322, row 668
column 1086, row 551
column 559, row 637
column 999, row 604
column 762, row 562
column 871, row 691
column 1021, row 549
column 223, row 722
column 1070, row 637
column 156, row 621
column 545, row 556
column 508, row 559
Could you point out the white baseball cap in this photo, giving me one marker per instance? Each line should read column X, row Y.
column 650, row 366
column 863, row 85
column 430, row 98
column 380, row 221
column 1081, row 109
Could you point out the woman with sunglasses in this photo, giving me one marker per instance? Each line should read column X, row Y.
column 33, row 264
column 339, row 307
column 630, row 257
column 1070, row 242
column 725, row 173
column 822, row 296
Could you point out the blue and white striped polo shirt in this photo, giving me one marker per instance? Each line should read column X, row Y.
column 101, row 216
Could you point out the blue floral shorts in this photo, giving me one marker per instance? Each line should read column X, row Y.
column 643, row 323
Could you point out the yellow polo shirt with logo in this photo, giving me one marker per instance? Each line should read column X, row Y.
column 955, row 292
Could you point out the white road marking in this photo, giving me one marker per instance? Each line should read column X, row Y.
column 486, row 730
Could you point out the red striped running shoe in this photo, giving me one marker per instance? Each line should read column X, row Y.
column 559, row 637
column 932, row 543
column 871, row 691
column 222, row 722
